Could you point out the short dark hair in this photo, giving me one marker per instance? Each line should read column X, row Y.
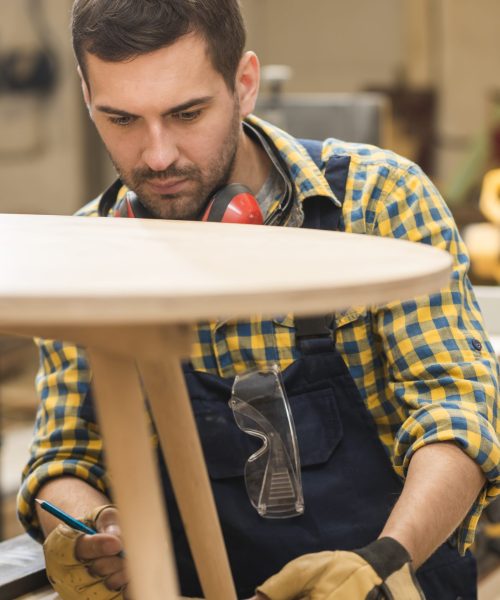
column 117, row 30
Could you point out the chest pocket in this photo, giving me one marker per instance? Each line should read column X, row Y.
column 227, row 448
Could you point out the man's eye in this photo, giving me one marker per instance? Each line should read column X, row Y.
column 187, row 115
column 121, row 121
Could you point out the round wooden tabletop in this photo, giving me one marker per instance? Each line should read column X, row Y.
column 73, row 270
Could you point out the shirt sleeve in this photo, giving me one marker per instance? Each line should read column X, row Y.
column 441, row 369
column 66, row 440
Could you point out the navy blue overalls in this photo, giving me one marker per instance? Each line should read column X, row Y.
column 348, row 481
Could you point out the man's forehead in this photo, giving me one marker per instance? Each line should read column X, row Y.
column 181, row 71
column 154, row 81
column 190, row 48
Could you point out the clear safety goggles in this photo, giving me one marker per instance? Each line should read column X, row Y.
column 272, row 474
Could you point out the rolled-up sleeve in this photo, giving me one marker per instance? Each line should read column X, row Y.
column 66, row 441
column 441, row 369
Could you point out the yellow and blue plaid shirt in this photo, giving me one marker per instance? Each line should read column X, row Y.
column 424, row 368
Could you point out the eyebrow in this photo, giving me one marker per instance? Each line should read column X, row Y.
column 110, row 110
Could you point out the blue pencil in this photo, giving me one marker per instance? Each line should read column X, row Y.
column 69, row 520
column 65, row 518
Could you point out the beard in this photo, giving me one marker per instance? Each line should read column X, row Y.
column 201, row 185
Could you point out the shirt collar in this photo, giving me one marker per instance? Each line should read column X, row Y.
column 306, row 176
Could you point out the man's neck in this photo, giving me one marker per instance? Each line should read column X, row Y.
column 252, row 164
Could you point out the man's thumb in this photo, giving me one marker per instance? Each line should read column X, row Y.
column 106, row 520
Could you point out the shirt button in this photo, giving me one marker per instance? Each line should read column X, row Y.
column 476, row 344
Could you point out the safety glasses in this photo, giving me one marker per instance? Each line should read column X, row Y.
column 272, row 474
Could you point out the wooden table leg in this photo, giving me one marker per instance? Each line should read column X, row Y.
column 171, row 407
column 131, row 461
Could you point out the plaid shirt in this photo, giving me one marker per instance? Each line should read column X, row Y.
column 424, row 368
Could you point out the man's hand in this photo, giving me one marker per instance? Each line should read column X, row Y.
column 100, row 552
column 382, row 570
column 80, row 565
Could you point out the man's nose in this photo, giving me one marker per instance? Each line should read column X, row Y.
column 160, row 150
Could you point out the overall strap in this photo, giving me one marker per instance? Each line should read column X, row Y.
column 319, row 213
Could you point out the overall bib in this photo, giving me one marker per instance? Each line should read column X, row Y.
column 349, row 484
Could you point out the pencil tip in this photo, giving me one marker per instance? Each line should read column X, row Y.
column 39, row 501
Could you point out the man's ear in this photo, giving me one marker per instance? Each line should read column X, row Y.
column 85, row 91
column 247, row 83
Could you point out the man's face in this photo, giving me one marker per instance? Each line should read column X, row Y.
column 169, row 123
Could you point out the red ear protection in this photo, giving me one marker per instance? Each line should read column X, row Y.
column 233, row 203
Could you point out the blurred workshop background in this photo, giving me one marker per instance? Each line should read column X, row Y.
column 421, row 77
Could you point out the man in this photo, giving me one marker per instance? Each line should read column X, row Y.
column 404, row 393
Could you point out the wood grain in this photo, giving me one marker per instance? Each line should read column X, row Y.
column 69, row 270
column 136, row 486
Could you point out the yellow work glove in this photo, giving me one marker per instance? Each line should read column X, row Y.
column 75, row 579
column 380, row 571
